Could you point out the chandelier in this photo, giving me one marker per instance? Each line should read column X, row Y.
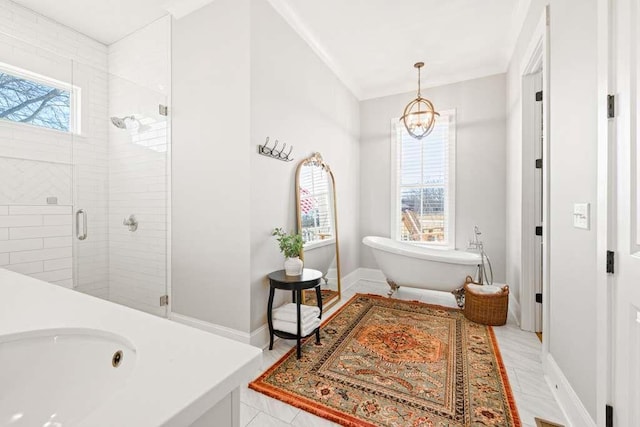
column 419, row 115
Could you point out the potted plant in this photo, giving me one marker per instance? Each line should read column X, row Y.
column 290, row 246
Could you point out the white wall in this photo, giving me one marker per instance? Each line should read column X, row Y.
column 210, row 164
column 573, row 157
column 572, row 172
column 480, row 163
column 256, row 78
column 296, row 99
column 36, row 163
column 139, row 67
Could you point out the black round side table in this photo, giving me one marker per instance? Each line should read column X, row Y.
column 296, row 284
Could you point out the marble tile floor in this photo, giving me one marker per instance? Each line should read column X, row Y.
column 521, row 353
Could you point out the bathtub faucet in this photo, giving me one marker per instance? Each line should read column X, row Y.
column 485, row 271
column 475, row 243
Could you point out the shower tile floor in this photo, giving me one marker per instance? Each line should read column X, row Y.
column 521, row 353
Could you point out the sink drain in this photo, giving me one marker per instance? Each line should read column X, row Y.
column 116, row 360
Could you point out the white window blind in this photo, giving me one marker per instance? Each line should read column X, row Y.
column 316, row 205
column 423, row 183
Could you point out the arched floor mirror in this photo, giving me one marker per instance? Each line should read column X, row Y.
column 318, row 225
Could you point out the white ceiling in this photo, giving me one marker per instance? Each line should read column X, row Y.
column 106, row 21
column 370, row 44
column 373, row 44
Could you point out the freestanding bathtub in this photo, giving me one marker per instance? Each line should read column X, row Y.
column 320, row 255
column 405, row 264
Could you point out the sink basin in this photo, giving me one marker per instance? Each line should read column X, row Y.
column 56, row 377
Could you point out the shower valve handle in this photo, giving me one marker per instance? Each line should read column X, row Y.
column 131, row 222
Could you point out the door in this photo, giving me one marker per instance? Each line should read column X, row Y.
column 538, row 138
column 120, row 186
column 626, row 288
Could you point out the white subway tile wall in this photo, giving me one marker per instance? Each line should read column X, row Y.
column 37, row 180
column 22, row 242
column 90, row 182
column 49, row 36
column 37, row 238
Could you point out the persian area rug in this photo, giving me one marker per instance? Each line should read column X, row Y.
column 386, row 362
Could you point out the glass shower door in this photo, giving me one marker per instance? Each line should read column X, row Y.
column 36, row 125
column 120, row 169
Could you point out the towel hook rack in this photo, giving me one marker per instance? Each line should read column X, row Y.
column 273, row 152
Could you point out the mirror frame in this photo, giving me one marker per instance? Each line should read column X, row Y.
column 316, row 160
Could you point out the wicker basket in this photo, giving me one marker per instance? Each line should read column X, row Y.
column 486, row 309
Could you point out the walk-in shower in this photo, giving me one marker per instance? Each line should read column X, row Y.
column 84, row 183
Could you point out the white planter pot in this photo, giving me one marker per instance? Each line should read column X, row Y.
column 293, row 266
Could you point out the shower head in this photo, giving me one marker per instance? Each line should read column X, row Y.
column 121, row 122
column 131, row 123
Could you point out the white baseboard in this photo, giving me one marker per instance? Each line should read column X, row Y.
column 260, row 337
column 573, row 409
column 350, row 279
column 371, row 275
column 514, row 308
column 234, row 334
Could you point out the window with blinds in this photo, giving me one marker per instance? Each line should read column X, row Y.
column 315, row 204
column 423, row 184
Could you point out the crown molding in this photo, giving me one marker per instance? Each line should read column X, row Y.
column 181, row 8
column 292, row 18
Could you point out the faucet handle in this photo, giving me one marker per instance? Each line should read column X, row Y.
column 131, row 222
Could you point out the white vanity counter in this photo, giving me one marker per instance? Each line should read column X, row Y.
column 171, row 375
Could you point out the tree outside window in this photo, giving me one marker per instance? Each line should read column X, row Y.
column 27, row 101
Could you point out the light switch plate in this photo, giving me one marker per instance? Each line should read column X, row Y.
column 581, row 217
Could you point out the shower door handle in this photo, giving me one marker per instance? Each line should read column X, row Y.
column 81, row 213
